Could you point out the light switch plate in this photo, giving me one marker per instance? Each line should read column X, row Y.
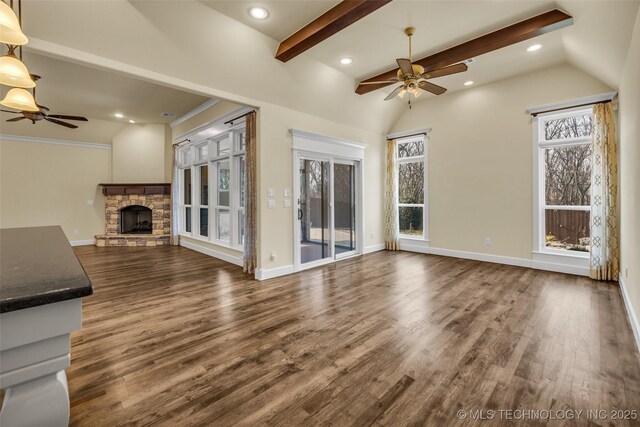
column 270, row 192
column 287, row 192
column 287, row 203
column 271, row 203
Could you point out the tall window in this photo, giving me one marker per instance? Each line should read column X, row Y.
column 564, row 175
column 217, row 164
column 410, row 155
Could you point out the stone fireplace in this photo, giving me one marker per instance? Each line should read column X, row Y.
column 136, row 215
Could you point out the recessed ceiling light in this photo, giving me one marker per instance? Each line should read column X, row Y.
column 132, row 121
column 118, row 115
column 346, row 61
column 468, row 83
column 534, row 47
column 259, row 12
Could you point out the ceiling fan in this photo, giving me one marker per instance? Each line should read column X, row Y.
column 414, row 78
column 42, row 113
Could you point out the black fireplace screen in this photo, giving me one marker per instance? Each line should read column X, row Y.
column 135, row 220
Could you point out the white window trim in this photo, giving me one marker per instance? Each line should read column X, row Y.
column 540, row 252
column 407, row 239
column 194, row 163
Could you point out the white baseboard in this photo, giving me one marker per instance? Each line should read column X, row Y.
column 560, row 268
column 88, row 242
column 635, row 325
column 270, row 273
column 212, row 252
column 476, row 256
column 374, row 248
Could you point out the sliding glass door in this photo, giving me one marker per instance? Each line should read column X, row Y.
column 326, row 210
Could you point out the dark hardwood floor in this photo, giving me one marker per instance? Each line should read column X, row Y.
column 174, row 337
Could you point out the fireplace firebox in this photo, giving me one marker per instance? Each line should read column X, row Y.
column 136, row 219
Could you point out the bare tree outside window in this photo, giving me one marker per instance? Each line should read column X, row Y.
column 411, row 188
column 567, row 175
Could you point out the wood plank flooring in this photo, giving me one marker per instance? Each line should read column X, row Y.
column 173, row 337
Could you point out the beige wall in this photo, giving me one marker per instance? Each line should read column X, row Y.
column 629, row 119
column 480, row 158
column 45, row 184
column 139, row 154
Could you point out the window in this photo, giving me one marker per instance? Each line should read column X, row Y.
column 216, row 168
column 564, row 182
column 410, row 156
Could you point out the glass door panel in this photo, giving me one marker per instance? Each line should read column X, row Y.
column 314, row 211
column 344, row 190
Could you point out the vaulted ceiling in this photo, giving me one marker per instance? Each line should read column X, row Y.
column 596, row 42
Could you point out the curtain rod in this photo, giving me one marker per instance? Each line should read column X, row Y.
column 239, row 117
column 180, row 142
column 406, row 136
column 566, row 108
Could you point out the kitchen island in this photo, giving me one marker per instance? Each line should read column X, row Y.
column 41, row 288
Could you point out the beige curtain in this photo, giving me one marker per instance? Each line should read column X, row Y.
column 604, row 191
column 174, row 197
column 391, row 230
column 251, row 196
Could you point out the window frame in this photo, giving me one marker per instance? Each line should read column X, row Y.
column 189, row 158
column 540, row 144
column 425, row 204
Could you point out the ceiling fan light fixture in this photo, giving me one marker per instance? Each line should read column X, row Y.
column 14, row 73
column 258, row 12
column 20, row 99
column 10, row 31
column 534, row 47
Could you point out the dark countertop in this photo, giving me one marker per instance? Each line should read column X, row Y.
column 38, row 267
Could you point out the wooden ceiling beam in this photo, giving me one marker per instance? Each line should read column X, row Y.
column 524, row 30
column 334, row 20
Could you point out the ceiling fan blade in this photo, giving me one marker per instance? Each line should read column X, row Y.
column 15, row 119
column 384, row 82
column 62, row 116
column 58, row 122
column 405, row 66
column 430, row 87
column 445, row 71
column 395, row 92
column 9, row 111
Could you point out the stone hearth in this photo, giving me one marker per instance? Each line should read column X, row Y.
column 156, row 197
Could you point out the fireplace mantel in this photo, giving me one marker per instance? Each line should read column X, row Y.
column 115, row 189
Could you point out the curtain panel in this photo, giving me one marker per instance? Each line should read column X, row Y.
column 391, row 227
column 251, row 196
column 605, row 258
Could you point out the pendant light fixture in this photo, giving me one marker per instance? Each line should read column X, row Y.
column 20, row 99
column 13, row 72
column 10, row 32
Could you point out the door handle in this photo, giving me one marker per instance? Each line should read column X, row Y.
column 299, row 214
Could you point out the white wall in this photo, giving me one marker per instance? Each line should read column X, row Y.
column 139, row 154
column 629, row 115
column 480, row 158
column 45, row 184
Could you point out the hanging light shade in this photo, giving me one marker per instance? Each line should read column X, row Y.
column 14, row 73
column 10, row 31
column 20, row 99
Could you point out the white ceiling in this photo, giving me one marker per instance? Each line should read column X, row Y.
column 73, row 89
column 597, row 41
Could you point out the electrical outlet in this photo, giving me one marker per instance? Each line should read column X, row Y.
column 487, row 241
column 270, row 192
column 272, row 255
column 271, row 203
column 372, row 235
column 89, row 202
column 287, row 203
column 287, row 192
